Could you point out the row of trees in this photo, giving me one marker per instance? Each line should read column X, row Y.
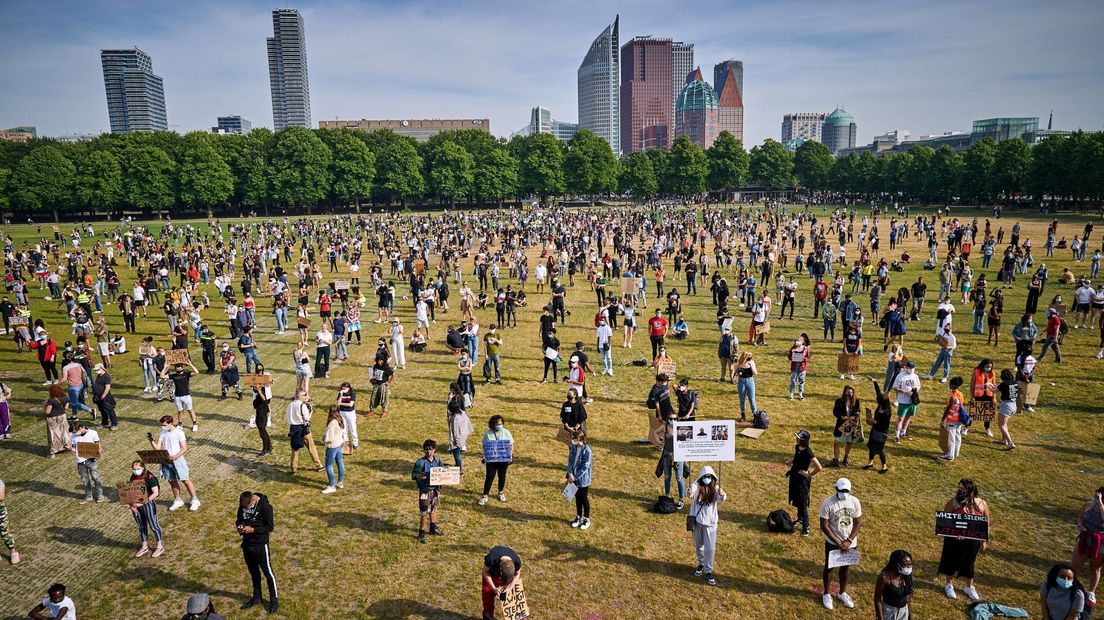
column 197, row 172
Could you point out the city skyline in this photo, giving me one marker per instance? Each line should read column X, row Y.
column 943, row 72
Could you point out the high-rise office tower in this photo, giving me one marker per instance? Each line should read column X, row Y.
column 599, row 84
column 696, row 111
column 135, row 96
column 721, row 69
column 232, row 124
column 802, row 126
column 839, row 131
column 682, row 63
column 647, row 113
column 287, row 70
column 730, row 99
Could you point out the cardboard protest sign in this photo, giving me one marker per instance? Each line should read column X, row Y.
column 177, row 356
column 982, row 410
column 762, row 328
column 958, row 525
column 253, row 380
column 753, row 433
column 419, row 266
column 656, row 431
column 943, row 342
column 630, row 286
column 563, row 436
column 847, row 363
column 444, row 476
column 303, row 322
column 838, row 558
column 154, row 457
column 497, row 450
column 514, row 606
column 18, row 320
column 726, row 323
column 341, row 285
column 667, row 368
column 131, row 492
column 711, row 440
column 88, row 449
column 1029, row 393
column 1059, row 308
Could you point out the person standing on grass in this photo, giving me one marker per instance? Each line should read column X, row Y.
column 959, row 554
column 182, row 391
column 254, row 523
column 459, row 425
column 464, row 377
column 501, row 570
column 952, row 420
column 847, row 430
column 799, row 355
column 579, row 467
column 657, row 330
column 323, row 340
column 705, row 494
column 172, row 440
column 380, row 376
column 145, row 513
column 346, row 406
column 803, row 466
column 429, row 499
column 496, row 431
column 87, row 467
column 907, row 388
column 493, row 344
column 262, row 414
column 103, row 397
column 879, row 428
column 229, row 376
column 573, row 412
column 298, row 419
column 56, row 606
column 334, row 441
column 841, row 519
column 983, row 387
column 1090, row 542
column 5, row 527
column 746, row 371
column 893, row 589
column 551, row 356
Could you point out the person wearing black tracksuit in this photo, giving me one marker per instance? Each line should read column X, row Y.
column 254, row 523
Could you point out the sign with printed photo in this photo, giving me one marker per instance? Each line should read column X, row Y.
column 711, row 440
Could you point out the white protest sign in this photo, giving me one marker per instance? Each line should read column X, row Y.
column 838, row 558
column 710, row 440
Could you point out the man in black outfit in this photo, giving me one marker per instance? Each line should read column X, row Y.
column 254, row 524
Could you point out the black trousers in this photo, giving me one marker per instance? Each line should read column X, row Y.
column 551, row 364
column 657, row 341
column 262, row 430
column 492, row 470
column 257, row 560
column 582, row 502
column 128, row 323
column 209, row 360
column 107, row 413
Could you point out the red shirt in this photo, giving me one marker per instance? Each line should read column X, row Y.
column 803, row 364
column 820, row 290
column 657, row 326
column 1052, row 326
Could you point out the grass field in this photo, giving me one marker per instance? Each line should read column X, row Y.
column 355, row 554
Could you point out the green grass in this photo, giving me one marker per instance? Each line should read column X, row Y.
column 354, row 554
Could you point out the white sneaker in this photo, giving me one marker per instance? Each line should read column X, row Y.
column 194, row 506
column 971, row 593
column 845, row 598
column 827, row 600
column 841, row 377
column 328, row 490
column 195, row 428
column 482, row 501
column 177, row 503
column 585, row 525
column 501, row 497
column 576, row 522
column 949, row 591
column 341, row 485
column 850, row 377
column 943, row 380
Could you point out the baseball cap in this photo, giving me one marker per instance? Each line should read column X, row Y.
column 98, row 368
column 198, row 603
column 843, row 484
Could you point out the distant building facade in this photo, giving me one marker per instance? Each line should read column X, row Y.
column 135, row 95
column 696, row 111
column 1001, row 129
column 647, row 110
column 682, row 63
column 599, row 87
column 730, row 99
column 287, row 70
column 802, row 125
column 541, row 121
column 232, row 124
column 19, row 134
column 720, row 73
column 419, row 129
column 839, row 131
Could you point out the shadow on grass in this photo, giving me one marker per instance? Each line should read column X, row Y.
column 23, row 446
column 84, row 537
column 358, row 521
column 406, row 608
column 158, row 578
column 46, row 488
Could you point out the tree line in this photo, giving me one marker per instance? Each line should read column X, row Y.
column 298, row 168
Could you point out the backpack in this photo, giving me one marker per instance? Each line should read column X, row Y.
column 760, row 419
column 964, row 415
column 664, row 505
column 598, row 318
column 1063, row 326
column 779, row 522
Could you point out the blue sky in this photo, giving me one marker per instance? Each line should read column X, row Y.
column 927, row 67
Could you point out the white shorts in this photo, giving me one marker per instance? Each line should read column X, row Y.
column 183, row 402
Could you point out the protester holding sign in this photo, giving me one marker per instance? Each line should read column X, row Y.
column 501, row 570
column 953, row 423
column 705, row 494
column 429, row 500
column 959, row 554
column 145, row 512
column 172, row 440
column 893, row 590
column 983, row 388
column 1090, row 541
column 841, row 519
column 496, row 432
column 803, row 466
column 579, row 466
column 799, row 355
column 459, row 425
column 848, row 428
column 86, row 445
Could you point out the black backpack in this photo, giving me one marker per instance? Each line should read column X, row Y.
column 779, row 522
column 664, row 505
column 760, row 419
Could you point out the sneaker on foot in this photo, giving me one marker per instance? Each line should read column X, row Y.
column 501, row 497
column 482, row 501
column 576, row 522
column 1090, row 599
column 177, row 503
column 950, row 591
column 157, row 552
column 194, row 506
column 710, row 579
column 826, row 600
column 256, row 600
column 14, row 557
column 141, row 551
column 971, row 593
column 328, row 490
column 699, row 571
column 341, row 485
column 845, row 598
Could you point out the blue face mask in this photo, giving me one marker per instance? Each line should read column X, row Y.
column 1065, row 584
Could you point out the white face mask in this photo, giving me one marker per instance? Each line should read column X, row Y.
column 137, row 472
column 707, row 480
column 842, row 495
column 904, row 571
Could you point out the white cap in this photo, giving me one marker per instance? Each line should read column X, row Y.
column 843, row 484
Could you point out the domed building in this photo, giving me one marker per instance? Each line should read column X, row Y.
column 696, row 111
column 839, row 131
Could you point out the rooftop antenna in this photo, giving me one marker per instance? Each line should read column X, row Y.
column 1050, row 122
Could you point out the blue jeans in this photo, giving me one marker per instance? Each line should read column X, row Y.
column 678, row 476
column 979, row 319
column 943, row 359
column 473, row 350
column 493, row 360
column 797, row 378
column 149, row 373
column 251, row 359
column 341, row 349
column 74, row 401
column 456, row 457
column 607, row 360
column 281, row 319
column 745, row 386
column 332, row 455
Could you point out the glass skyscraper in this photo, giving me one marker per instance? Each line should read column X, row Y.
column 599, row 87
column 135, row 96
column 287, row 70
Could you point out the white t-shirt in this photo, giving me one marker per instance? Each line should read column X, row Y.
column 54, row 608
column 172, row 441
column 905, row 384
column 90, row 436
column 604, row 335
column 841, row 515
column 324, row 338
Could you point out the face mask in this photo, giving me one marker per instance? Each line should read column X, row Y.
column 137, row 472
column 682, row 388
column 707, row 480
column 164, row 428
column 904, row 571
column 841, row 495
column 498, row 427
column 960, row 496
column 1065, row 584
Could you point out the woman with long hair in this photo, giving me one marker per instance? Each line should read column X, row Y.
column 705, row 494
column 959, row 554
column 993, row 317
column 1062, row 596
column 579, row 467
column 879, row 427
column 459, row 424
column 893, row 590
column 803, row 466
column 848, row 428
column 496, row 431
column 1090, row 541
column 1009, row 392
column 57, row 427
column 745, row 370
column 334, row 439
column 983, row 387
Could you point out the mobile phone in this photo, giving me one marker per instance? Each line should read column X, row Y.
column 149, row 436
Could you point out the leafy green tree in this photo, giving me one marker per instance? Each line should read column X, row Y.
column 812, row 164
column 842, row 174
column 1011, row 166
column 589, row 166
column 300, row 167
column 977, row 182
column 5, row 190
column 728, row 163
column 451, row 171
column 659, row 159
column 147, row 177
column 946, row 173
column 638, row 176
column 204, row 179
column 896, row 168
column 399, row 174
column 687, row 167
column 352, row 167
column 918, row 180
column 542, row 166
column 99, row 181
column 43, row 180
column 256, row 171
column 772, row 165
column 496, row 174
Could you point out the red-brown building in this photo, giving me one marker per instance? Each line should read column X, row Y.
column 730, row 114
column 647, row 109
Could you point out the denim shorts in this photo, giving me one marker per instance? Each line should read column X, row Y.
column 175, row 471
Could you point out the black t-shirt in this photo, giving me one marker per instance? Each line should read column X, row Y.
column 380, row 374
column 573, row 413
column 801, row 460
column 181, row 381
column 1009, row 391
column 99, row 385
column 497, row 552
